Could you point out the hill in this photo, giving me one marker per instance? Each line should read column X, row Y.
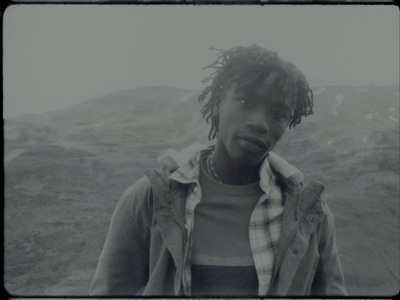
column 65, row 171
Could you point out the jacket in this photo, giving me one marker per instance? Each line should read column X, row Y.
column 143, row 251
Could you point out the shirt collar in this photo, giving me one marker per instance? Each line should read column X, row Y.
column 189, row 173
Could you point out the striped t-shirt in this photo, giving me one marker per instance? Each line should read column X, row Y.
column 222, row 262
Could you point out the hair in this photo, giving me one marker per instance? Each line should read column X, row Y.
column 252, row 64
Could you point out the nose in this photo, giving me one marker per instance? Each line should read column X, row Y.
column 257, row 121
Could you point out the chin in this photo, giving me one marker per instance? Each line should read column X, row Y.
column 250, row 159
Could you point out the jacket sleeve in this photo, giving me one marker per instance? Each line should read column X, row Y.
column 123, row 264
column 328, row 278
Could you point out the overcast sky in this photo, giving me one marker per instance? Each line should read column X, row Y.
column 58, row 55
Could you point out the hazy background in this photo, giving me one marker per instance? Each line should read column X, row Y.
column 59, row 55
column 124, row 82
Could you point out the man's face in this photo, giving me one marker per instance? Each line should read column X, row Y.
column 251, row 123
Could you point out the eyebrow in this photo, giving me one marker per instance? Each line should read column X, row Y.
column 281, row 105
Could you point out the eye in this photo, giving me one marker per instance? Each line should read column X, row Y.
column 245, row 101
column 280, row 114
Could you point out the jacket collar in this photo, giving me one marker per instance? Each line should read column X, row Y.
column 183, row 168
column 187, row 169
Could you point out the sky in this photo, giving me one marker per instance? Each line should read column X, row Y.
column 55, row 56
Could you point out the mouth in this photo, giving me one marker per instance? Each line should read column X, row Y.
column 252, row 143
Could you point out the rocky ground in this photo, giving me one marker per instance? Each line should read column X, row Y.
column 65, row 170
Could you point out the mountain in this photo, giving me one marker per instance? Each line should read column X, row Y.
column 65, row 171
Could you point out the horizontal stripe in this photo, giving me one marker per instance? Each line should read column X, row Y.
column 224, row 281
column 222, row 261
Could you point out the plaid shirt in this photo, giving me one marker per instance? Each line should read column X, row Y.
column 264, row 225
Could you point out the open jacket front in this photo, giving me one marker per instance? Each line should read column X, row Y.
column 144, row 250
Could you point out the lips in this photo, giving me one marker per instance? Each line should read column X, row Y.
column 252, row 143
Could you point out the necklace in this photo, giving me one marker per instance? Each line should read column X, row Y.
column 211, row 168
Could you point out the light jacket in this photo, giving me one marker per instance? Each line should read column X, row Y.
column 144, row 248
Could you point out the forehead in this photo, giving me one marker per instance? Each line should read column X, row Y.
column 266, row 86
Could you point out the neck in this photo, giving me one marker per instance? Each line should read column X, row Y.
column 231, row 172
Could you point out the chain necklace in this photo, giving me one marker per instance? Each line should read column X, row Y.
column 211, row 168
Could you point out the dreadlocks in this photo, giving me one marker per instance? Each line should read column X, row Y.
column 252, row 64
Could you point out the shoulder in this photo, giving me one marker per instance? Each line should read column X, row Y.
column 136, row 201
column 327, row 224
column 140, row 187
column 329, row 220
column 314, row 192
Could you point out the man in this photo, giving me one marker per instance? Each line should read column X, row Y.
column 233, row 218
